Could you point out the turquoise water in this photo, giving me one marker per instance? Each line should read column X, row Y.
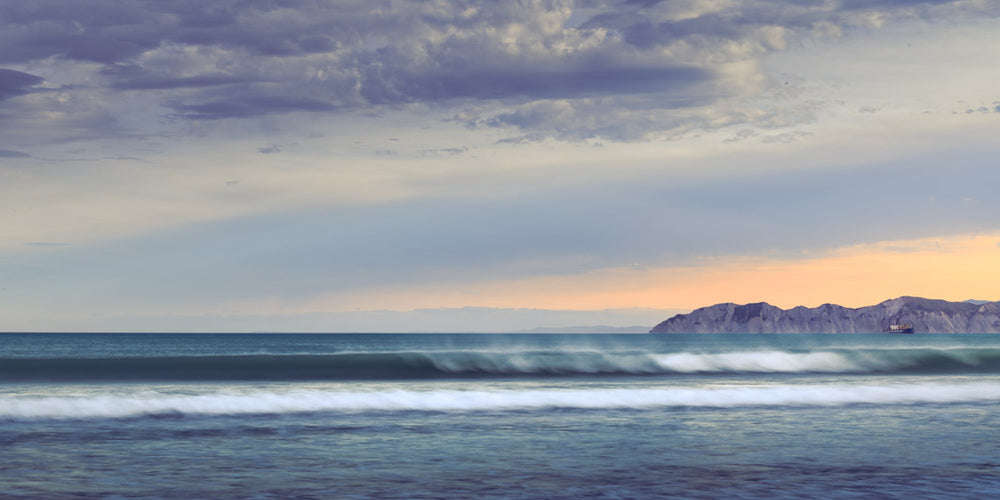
column 499, row 416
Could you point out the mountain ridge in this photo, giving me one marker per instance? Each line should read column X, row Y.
column 925, row 315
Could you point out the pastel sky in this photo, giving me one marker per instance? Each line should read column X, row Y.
column 315, row 165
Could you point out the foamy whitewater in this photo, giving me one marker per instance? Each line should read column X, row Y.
column 499, row 416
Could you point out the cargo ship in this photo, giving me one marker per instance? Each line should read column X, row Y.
column 901, row 328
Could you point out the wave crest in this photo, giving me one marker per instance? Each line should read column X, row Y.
column 473, row 364
column 152, row 405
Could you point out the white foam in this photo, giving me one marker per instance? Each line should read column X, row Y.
column 684, row 362
column 760, row 362
column 119, row 406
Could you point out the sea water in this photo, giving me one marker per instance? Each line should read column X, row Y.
column 499, row 416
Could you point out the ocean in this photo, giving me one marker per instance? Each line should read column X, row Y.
column 499, row 416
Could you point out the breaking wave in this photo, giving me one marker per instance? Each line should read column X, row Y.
column 487, row 364
column 157, row 405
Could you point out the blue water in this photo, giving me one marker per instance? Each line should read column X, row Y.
column 499, row 416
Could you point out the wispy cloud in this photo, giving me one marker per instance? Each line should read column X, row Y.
column 7, row 153
column 48, row 244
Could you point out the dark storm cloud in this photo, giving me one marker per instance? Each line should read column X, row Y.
column 15, row 83
column 132, row 77
column 110, row 31
column 495, row 63
column 747, row 21
column 249, row 106
column 99, row 31
column 94, row 48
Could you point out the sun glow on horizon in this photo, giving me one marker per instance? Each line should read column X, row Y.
column 951, row 268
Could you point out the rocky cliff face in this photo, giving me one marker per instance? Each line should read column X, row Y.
column 926, row 316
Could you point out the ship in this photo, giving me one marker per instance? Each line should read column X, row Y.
column 901, row 328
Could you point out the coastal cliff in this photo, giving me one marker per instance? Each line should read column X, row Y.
column 925, row 316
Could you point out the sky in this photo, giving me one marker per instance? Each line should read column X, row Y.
column 312, row 165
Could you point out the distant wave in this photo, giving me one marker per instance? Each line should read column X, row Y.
column 486, row 364
column 161, row 405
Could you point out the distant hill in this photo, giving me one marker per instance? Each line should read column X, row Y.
column 925, row 315
column 977, row 302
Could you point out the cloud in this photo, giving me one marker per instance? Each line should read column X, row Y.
column 16, row 83
column 785, row 138
column 621, row 118
column 130, row 77
column 619, row 70
column 554, row 80
column 249, row 106
column 445, row 151
column 7, row 153
column 741, row 29
column 48, row 244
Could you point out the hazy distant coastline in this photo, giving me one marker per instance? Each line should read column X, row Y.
column 925, row 316
column 587, row 329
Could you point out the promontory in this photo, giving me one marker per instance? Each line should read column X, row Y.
column 903, row 314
